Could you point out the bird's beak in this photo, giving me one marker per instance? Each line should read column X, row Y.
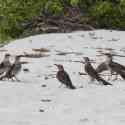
column 56, row 64
column 89, row 60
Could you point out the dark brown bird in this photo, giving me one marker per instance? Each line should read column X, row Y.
column 5, row 64
column 63, row 77
column 92, row 72
column 109, row 64
column 13, row 70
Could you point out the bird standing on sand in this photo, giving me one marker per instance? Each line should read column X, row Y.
column 63, row 77
column 109, row 64
column 13, row 70
column 5, row 64
column 92, row 72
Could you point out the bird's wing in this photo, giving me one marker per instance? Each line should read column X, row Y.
column 121, row 67
column 9, row 72
column 89, row 70
column 2, row 68
column 100, row 68
column 1, row 65
column 67, row 78
column 16, row 69
column 61, row 77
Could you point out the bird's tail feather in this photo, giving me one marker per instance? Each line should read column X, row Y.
column 122, row 74
column 103, row 81
column 72, row 87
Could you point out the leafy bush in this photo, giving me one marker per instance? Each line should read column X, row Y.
column 107, row 15
column 54, row 7
column 74, row 2
column 14, row 12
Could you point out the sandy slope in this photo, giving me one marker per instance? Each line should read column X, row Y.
column 29, row 103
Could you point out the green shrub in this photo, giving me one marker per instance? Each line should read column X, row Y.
column 14, row 12
column 54, row 7
column 108, row 15
column 74, row 2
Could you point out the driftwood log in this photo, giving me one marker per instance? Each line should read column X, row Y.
column 54, row 24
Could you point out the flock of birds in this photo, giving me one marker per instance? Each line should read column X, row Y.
column 9, row 70
column 109, row 64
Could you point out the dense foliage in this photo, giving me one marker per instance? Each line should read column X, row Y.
column 100, row 13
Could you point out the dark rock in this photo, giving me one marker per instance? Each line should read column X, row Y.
column 43, row 85
column 41, row 110
column 46, row 100
column 26, row 70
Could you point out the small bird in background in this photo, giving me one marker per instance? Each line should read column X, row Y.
column 5, row 64
column 92, row 72
column 13, row 70
column 112, row 66
column 63, row 77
